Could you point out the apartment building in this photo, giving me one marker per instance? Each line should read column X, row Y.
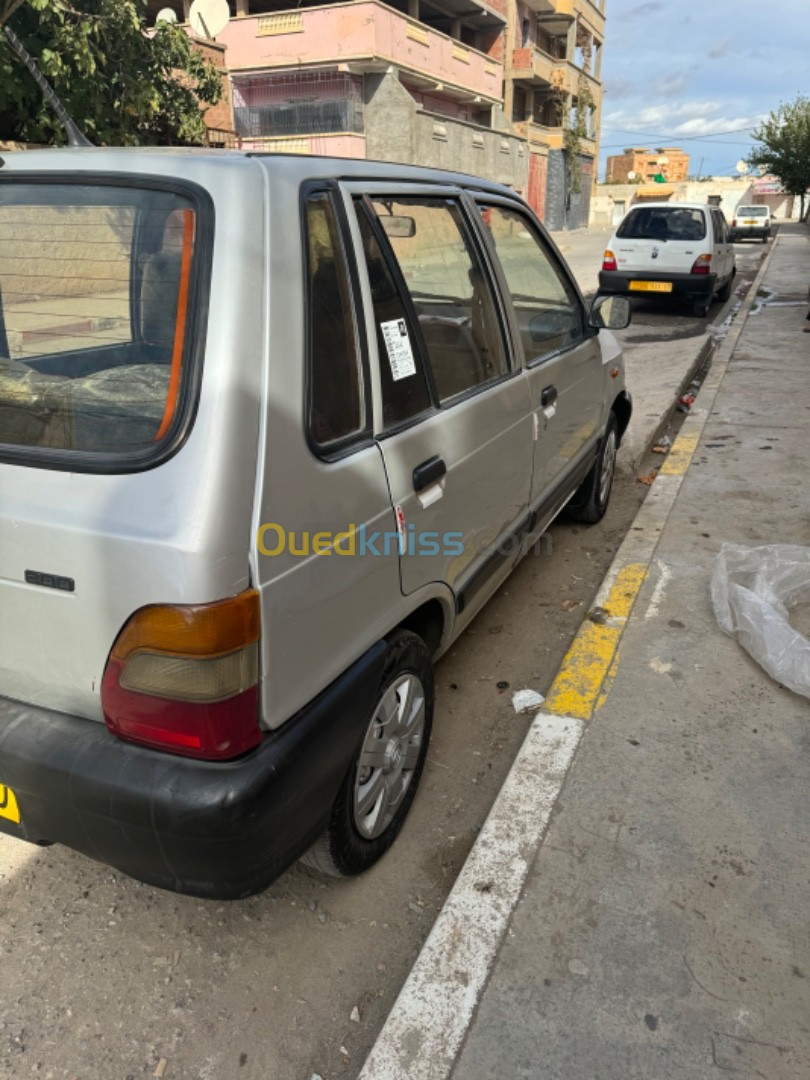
column 479, row 86
column 671, row 162
column 553, row 71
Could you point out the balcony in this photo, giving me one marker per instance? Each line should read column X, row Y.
column 540, row 137
column 532, row 65
column 359, row 37
column 536, row 67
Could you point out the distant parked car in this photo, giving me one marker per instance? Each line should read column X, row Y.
column 751, row 223
column 671, row 249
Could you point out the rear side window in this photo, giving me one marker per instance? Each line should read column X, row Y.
column 405, row 391
column 663, row 223
column 97, row 289
column 335, row 397
column 449, row 291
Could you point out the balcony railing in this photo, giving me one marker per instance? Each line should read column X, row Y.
column 551, row 138
column 364, row 35
column 535, row 66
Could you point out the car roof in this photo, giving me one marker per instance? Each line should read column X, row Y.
column 291, row 167
column 673, row 206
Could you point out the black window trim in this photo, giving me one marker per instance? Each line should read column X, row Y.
column 446, row 195
column 185, row 413
column 363, row 438
column 557, row 262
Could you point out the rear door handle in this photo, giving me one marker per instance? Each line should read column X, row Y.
column 428, row 473
column 548, row 396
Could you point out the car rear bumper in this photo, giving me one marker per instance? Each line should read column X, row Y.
column 750, row 232
column 214, row 829
column 618, row 281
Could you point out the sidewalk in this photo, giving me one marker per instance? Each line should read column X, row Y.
column 662, row 930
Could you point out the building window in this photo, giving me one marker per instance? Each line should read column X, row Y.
column 299, row 103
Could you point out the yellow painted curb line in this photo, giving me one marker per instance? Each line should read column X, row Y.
column 587, row 663
column 680, row 456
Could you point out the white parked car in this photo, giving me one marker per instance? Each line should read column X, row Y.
column 751, row 223
column 671, row 249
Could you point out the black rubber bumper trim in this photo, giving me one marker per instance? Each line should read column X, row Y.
column 222, row 830
column 612, row 281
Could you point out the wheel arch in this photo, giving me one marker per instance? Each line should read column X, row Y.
column 623, row 408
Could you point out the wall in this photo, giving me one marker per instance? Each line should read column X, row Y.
column 576, row 213
column 219, row 118
column 732, row 192
column 397, row 130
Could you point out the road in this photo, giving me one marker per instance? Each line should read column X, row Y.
column 104, row 978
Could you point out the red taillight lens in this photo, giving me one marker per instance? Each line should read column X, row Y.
column 185, row 678
column 702, row 264
column 734, row 223
column 609, row 261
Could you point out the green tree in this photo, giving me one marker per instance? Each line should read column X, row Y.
column 122, row 85
column 784, row 147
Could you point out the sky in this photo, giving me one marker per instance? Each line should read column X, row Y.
column 692, row 73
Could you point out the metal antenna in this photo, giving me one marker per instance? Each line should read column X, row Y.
column 74, row 136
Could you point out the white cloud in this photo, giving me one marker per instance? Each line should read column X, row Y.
column 704, row 126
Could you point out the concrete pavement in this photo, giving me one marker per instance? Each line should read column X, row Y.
column 661, row 931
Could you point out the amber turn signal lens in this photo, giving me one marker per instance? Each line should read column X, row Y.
column 206, row 630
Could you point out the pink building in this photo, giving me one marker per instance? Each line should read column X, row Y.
column 417, row 81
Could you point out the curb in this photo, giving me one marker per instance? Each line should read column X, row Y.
column 425, row 1030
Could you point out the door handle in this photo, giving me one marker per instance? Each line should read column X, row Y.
column 428, row 473
column 548, row 396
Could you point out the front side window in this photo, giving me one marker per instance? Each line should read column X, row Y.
column 97, row 288
column 449, row 291
column 335, row 396
column 548, row 311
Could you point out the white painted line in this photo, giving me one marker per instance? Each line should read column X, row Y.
column 659, row 592
column 425, row 1028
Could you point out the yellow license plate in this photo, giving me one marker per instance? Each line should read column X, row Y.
column 651, row 286
column 8, row 805
column 749, row 222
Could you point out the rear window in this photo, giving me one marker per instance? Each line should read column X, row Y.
column 97, row 291
column 752, row 211
column 663, row 223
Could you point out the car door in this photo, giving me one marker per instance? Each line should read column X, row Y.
column 723, row 250
column 452, row 413
column 562, row 358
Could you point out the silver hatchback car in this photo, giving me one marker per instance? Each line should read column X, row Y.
column 272, row 431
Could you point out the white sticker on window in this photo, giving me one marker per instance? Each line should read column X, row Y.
column 398, row 344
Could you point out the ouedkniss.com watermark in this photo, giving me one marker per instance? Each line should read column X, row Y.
column 273, row 540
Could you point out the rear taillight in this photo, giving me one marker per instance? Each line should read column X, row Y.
column 609, row 260
column 702, row 264
column 185, row 678
column 734, row 223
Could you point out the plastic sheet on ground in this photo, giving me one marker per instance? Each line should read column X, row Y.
column 753, row 589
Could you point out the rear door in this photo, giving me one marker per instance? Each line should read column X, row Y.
column 453, row 418
column 723, row 251
column 563, row 361
column 661, row 239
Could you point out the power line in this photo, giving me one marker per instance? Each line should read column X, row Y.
column 682, row 136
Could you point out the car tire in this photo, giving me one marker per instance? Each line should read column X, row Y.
column 379, row 788
column 725, row 292
column 591, row 500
